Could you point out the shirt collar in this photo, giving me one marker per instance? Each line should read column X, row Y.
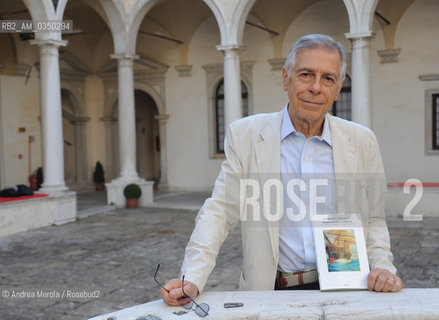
column 288, row 128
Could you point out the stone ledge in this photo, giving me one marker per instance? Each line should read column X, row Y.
column 23, row 215
column 407, row 304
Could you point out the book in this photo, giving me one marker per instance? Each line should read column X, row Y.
column 341, row 253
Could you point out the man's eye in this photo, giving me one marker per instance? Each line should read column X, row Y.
column 330, row 79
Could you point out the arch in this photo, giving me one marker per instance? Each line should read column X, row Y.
column 238, row 21
column 367, row 13
column 117, row 25
column 220, row 19
column 148, row 144
column 352, row 14
column 110, row 104
column 75, row 99
column 154, row 95
column 61, row 6
column 360, row 15
column 143, row 7
column 43, row 10
column 134, row 21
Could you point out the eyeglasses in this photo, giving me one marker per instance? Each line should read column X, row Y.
column 201, row 309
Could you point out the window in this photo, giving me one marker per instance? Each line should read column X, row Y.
column 432, row 122
column 343, row 107
column 435, row 131
column 219, row 113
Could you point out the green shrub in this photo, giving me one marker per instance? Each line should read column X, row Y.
column 98, row 174
column 40, row 178
column 132, row 191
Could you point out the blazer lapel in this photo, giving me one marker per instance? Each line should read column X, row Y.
column 345, row 156
column 268, row 166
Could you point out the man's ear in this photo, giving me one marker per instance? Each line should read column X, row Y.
column 285, row 78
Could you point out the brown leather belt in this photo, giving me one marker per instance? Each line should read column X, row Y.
column 299, row 278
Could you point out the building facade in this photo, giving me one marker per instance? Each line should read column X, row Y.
column 146, row 87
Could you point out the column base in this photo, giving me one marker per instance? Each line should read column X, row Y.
column 56, row 189
column 115, row 191
column 66, row 208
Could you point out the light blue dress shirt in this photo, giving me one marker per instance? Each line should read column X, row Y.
column 303, row 159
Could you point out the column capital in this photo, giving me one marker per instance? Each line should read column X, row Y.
column 236, row 48
column 361, row 39
column 81, row 120
column 360, row 35
column 49, row 42
column 108, row 120
column 124, row 56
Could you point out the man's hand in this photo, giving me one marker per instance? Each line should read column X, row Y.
column 382, row 280
column 174, row 296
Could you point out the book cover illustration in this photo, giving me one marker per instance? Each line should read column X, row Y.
column 341, row 250
column 341, row 253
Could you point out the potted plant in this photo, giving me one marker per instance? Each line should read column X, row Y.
column 99, row 177
column 40, row 178
column 132, row 193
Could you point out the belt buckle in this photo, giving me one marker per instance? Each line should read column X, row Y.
column 297, row 276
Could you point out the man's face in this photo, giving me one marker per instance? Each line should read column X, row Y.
column 313, row 85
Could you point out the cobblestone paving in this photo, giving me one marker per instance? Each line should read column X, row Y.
column 106, row 262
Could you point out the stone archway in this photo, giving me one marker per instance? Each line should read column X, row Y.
column 150, row 138
column 75, row 146
column 147, row 137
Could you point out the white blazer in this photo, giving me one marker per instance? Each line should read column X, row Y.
column 252, row 148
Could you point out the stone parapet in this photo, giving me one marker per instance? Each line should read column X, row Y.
column 407, row 304
column 23, row 215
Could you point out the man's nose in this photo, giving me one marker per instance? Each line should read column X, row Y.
column 315, row 87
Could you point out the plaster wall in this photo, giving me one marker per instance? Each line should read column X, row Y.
column 398, row 95
column 267, row 93
column 319, row 18
column 190, row 165
column 19, row 103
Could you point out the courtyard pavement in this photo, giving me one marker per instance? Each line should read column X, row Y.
column 106, row 260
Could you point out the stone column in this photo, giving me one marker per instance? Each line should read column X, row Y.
column 51, row 116
column 81, row 150
column 127, row 116
column 127, row 138
column 163, row 120
column 361, row 86
column 232, row 83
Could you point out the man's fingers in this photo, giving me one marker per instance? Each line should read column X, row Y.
column 371, row 279
column 382, row 280
column 167, row 292
column 398, row 284
column 389, row 284
column 174, row 295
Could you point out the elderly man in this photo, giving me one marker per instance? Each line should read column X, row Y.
column 302, row 138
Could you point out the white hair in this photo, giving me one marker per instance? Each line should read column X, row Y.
column 313, row 41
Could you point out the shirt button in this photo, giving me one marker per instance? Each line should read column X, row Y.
column 306, row 158
column 309, row 245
